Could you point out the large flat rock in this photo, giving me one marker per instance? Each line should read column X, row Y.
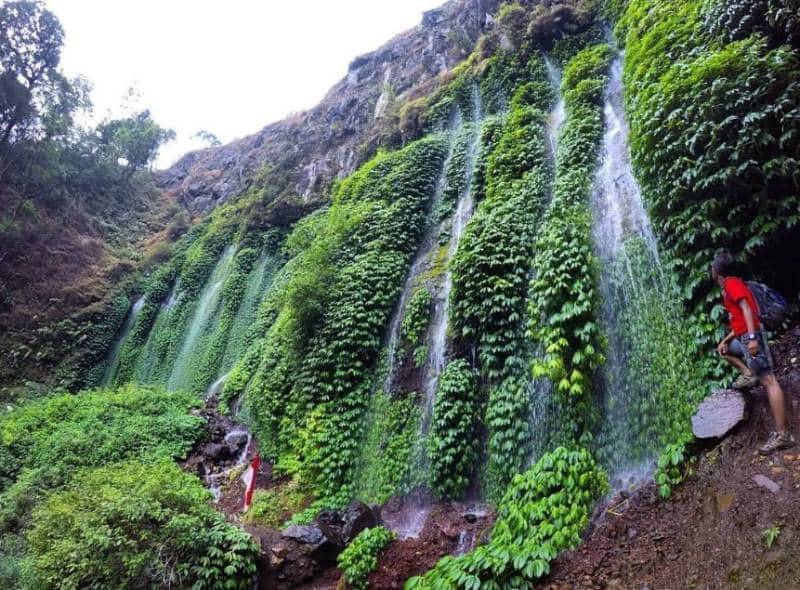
column 718, row 414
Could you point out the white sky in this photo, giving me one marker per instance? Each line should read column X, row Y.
column 229, row 67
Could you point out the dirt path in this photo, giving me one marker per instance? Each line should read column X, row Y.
column 712, row 532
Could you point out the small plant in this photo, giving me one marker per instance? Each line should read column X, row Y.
column 360, row 558
column 273, row 507
column 771, row 534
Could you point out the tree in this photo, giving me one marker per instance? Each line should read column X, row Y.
column 30, row 50
column 210, row 138
column 133, row 141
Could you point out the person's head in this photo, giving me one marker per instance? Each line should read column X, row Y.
column 723, row 265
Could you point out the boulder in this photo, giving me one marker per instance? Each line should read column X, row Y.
column 356, row 517
column 320, row 542
column 718, row 414
column 216, row 452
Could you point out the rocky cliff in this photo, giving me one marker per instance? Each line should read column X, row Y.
column 304, row 153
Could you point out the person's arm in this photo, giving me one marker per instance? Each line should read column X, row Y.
column 722, row 347
column 752, row 345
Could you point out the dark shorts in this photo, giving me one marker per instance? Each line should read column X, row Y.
column 761, row 364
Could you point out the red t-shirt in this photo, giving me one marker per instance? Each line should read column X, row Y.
column 733, row 291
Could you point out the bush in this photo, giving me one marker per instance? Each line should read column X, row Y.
column 131, row 525
column 360, row 557
column 273, row 507
column 43, row 443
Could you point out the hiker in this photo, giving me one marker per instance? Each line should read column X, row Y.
column 746, row 348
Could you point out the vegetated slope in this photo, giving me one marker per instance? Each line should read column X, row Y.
column 455, row 280
column 67, row 274
column 720, row 528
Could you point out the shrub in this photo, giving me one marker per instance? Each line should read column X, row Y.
column 131, row 525
column 273, row 507
column 43, row 443
column 360, row 557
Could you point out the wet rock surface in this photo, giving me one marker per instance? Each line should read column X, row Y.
column 306, row 554
column 448, row 529
column 711, row 532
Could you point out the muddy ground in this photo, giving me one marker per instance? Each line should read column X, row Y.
column 712, row 532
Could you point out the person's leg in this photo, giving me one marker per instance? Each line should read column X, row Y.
column 762, row 365
column 735, row 357
column 739, row 364
column 776, row 401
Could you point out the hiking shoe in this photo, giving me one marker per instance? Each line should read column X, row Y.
column 776, row 442
column 744, row 382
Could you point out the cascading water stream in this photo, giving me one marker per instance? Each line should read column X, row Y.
column 201, row 319
column 637, row 312
column 145, row 364
column 543, row 407
column 114, row 357
column 556, row 118
column 437, row 346
column 409, row 522
column 420, row 261
column 258, row 284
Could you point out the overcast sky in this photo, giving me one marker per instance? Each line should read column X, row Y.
column 227, row 66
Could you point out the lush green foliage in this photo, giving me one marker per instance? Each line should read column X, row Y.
column 335, row 302
column 490, row 269
column 416, row 318
column 386, row 452
column 453, row 440
column 713, row 177
column 714, row 143
column 274, row 506
column 360, row 557
column 131, row 525
column 563, row 294
column 777, row 20
column 43, row 443
column 543, row 513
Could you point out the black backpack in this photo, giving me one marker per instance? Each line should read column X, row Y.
column 773, row 309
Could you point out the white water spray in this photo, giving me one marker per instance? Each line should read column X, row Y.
column 203, row 315
column 437, row 343
column 638, row 312
column 114, row 357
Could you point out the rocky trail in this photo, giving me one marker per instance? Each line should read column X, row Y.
column 717, row 528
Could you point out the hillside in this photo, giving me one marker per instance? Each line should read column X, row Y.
column 452, row 323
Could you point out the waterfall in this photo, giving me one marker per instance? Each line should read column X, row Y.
column 145, row 367
column 419, row 263
column 559, row 113
column 639, row 315
column 258, row 283
column 202, row 319
column 113, row 358
column 437, row 334
column 543, row 416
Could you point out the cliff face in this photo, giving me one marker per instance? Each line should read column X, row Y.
column 303, row 154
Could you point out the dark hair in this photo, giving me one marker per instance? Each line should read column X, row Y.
column 724, row 263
